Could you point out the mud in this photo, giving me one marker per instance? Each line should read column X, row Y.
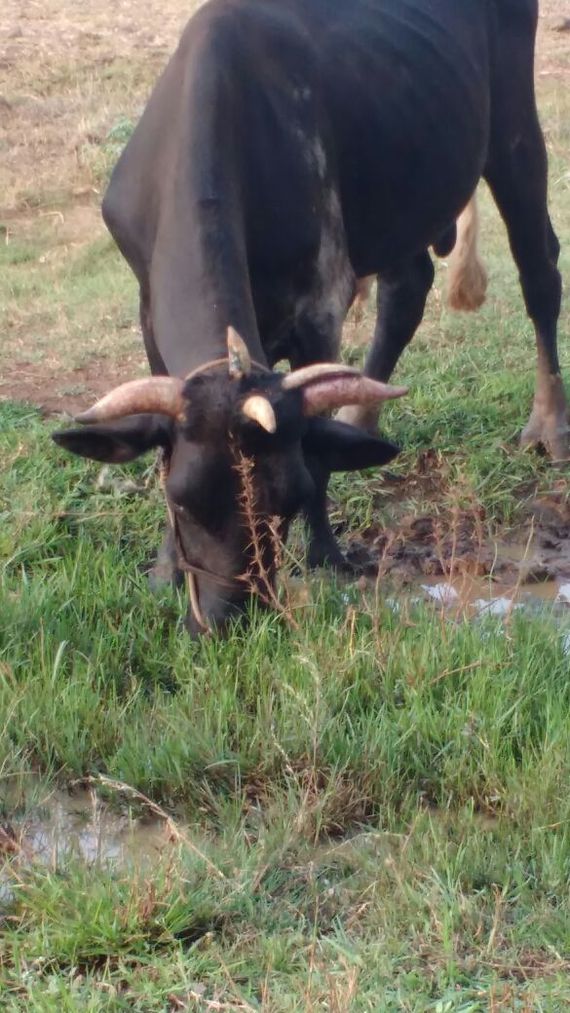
column 478, row 597
column 461, row 545
column 48, row 828
column 454, row 563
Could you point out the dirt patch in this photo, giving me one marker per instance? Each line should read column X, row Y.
column 550, row 517
column 57, row 392
column 459, row 544
column 76, row 225
column 432, row 546
column 68, row 73
column 553, row 39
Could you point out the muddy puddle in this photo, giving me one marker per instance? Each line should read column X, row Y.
column 50, row 826
column 454, row 562
column 518, row 582
column 477, row 597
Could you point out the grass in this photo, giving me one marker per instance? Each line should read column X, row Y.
column 377, row 803
column 369, row 810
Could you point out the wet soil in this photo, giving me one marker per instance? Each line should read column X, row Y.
column 460, row 544
column 51, row 826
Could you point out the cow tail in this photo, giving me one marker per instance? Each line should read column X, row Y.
column 466, row 275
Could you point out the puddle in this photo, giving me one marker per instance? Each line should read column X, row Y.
column 477, row 598
column 454, row 563
column 81, row 826
column 51, row 826
column 482, row 595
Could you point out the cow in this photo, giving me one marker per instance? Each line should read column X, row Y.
column 289, row 148
column 467, row 280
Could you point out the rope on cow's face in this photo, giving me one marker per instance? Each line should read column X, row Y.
column 190, row 570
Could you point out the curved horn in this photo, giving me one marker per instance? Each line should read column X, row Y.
column 239, row 358
column 260, row 410
column 299, row 377
column 335, row 392
column 152, row 394
column 329, row 385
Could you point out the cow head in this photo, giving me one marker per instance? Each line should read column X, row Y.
column 236, row 441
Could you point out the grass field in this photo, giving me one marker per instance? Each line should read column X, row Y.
column 365, row 808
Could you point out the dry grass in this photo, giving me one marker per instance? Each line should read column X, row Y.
column 73, row 79
column 68, row 72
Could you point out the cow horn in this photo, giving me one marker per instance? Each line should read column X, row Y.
column 299, row 377
column 239, row 358
column 161, row 394
column 326, row 395
column 258, row 408
column 328, row 385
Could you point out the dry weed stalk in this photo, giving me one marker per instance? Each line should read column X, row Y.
column 176, row 834
column 263, row 533
column 10, row 842
column 213, row 1004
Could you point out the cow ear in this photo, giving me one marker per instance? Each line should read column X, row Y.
column 117, row 442
column 341, row 447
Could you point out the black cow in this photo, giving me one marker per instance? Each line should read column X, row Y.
column 289, row 147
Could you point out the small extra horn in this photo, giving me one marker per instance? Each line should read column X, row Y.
column 260, row 410
column 239, row 359
column 161, row 394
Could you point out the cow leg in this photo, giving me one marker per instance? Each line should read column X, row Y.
column 401, row 300
column 318, row 343
column 323, row 549
column 518, row 184
column 517, row 172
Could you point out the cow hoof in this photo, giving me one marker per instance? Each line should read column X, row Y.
column 327, row 554
column 553, row 438
column 548, row 424
column 552, row 433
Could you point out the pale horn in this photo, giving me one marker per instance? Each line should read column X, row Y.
column 258, row 409
column 327, row 386
column 162, row 394
column 239, row 359
column 318, row 370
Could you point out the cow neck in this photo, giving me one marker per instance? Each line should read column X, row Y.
column 191, row 571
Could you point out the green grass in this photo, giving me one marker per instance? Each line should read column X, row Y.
column 471, row 379
column 65, row 305
column 376, row 805
column 382, row 800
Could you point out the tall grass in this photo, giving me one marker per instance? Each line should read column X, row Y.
column 379, row 800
